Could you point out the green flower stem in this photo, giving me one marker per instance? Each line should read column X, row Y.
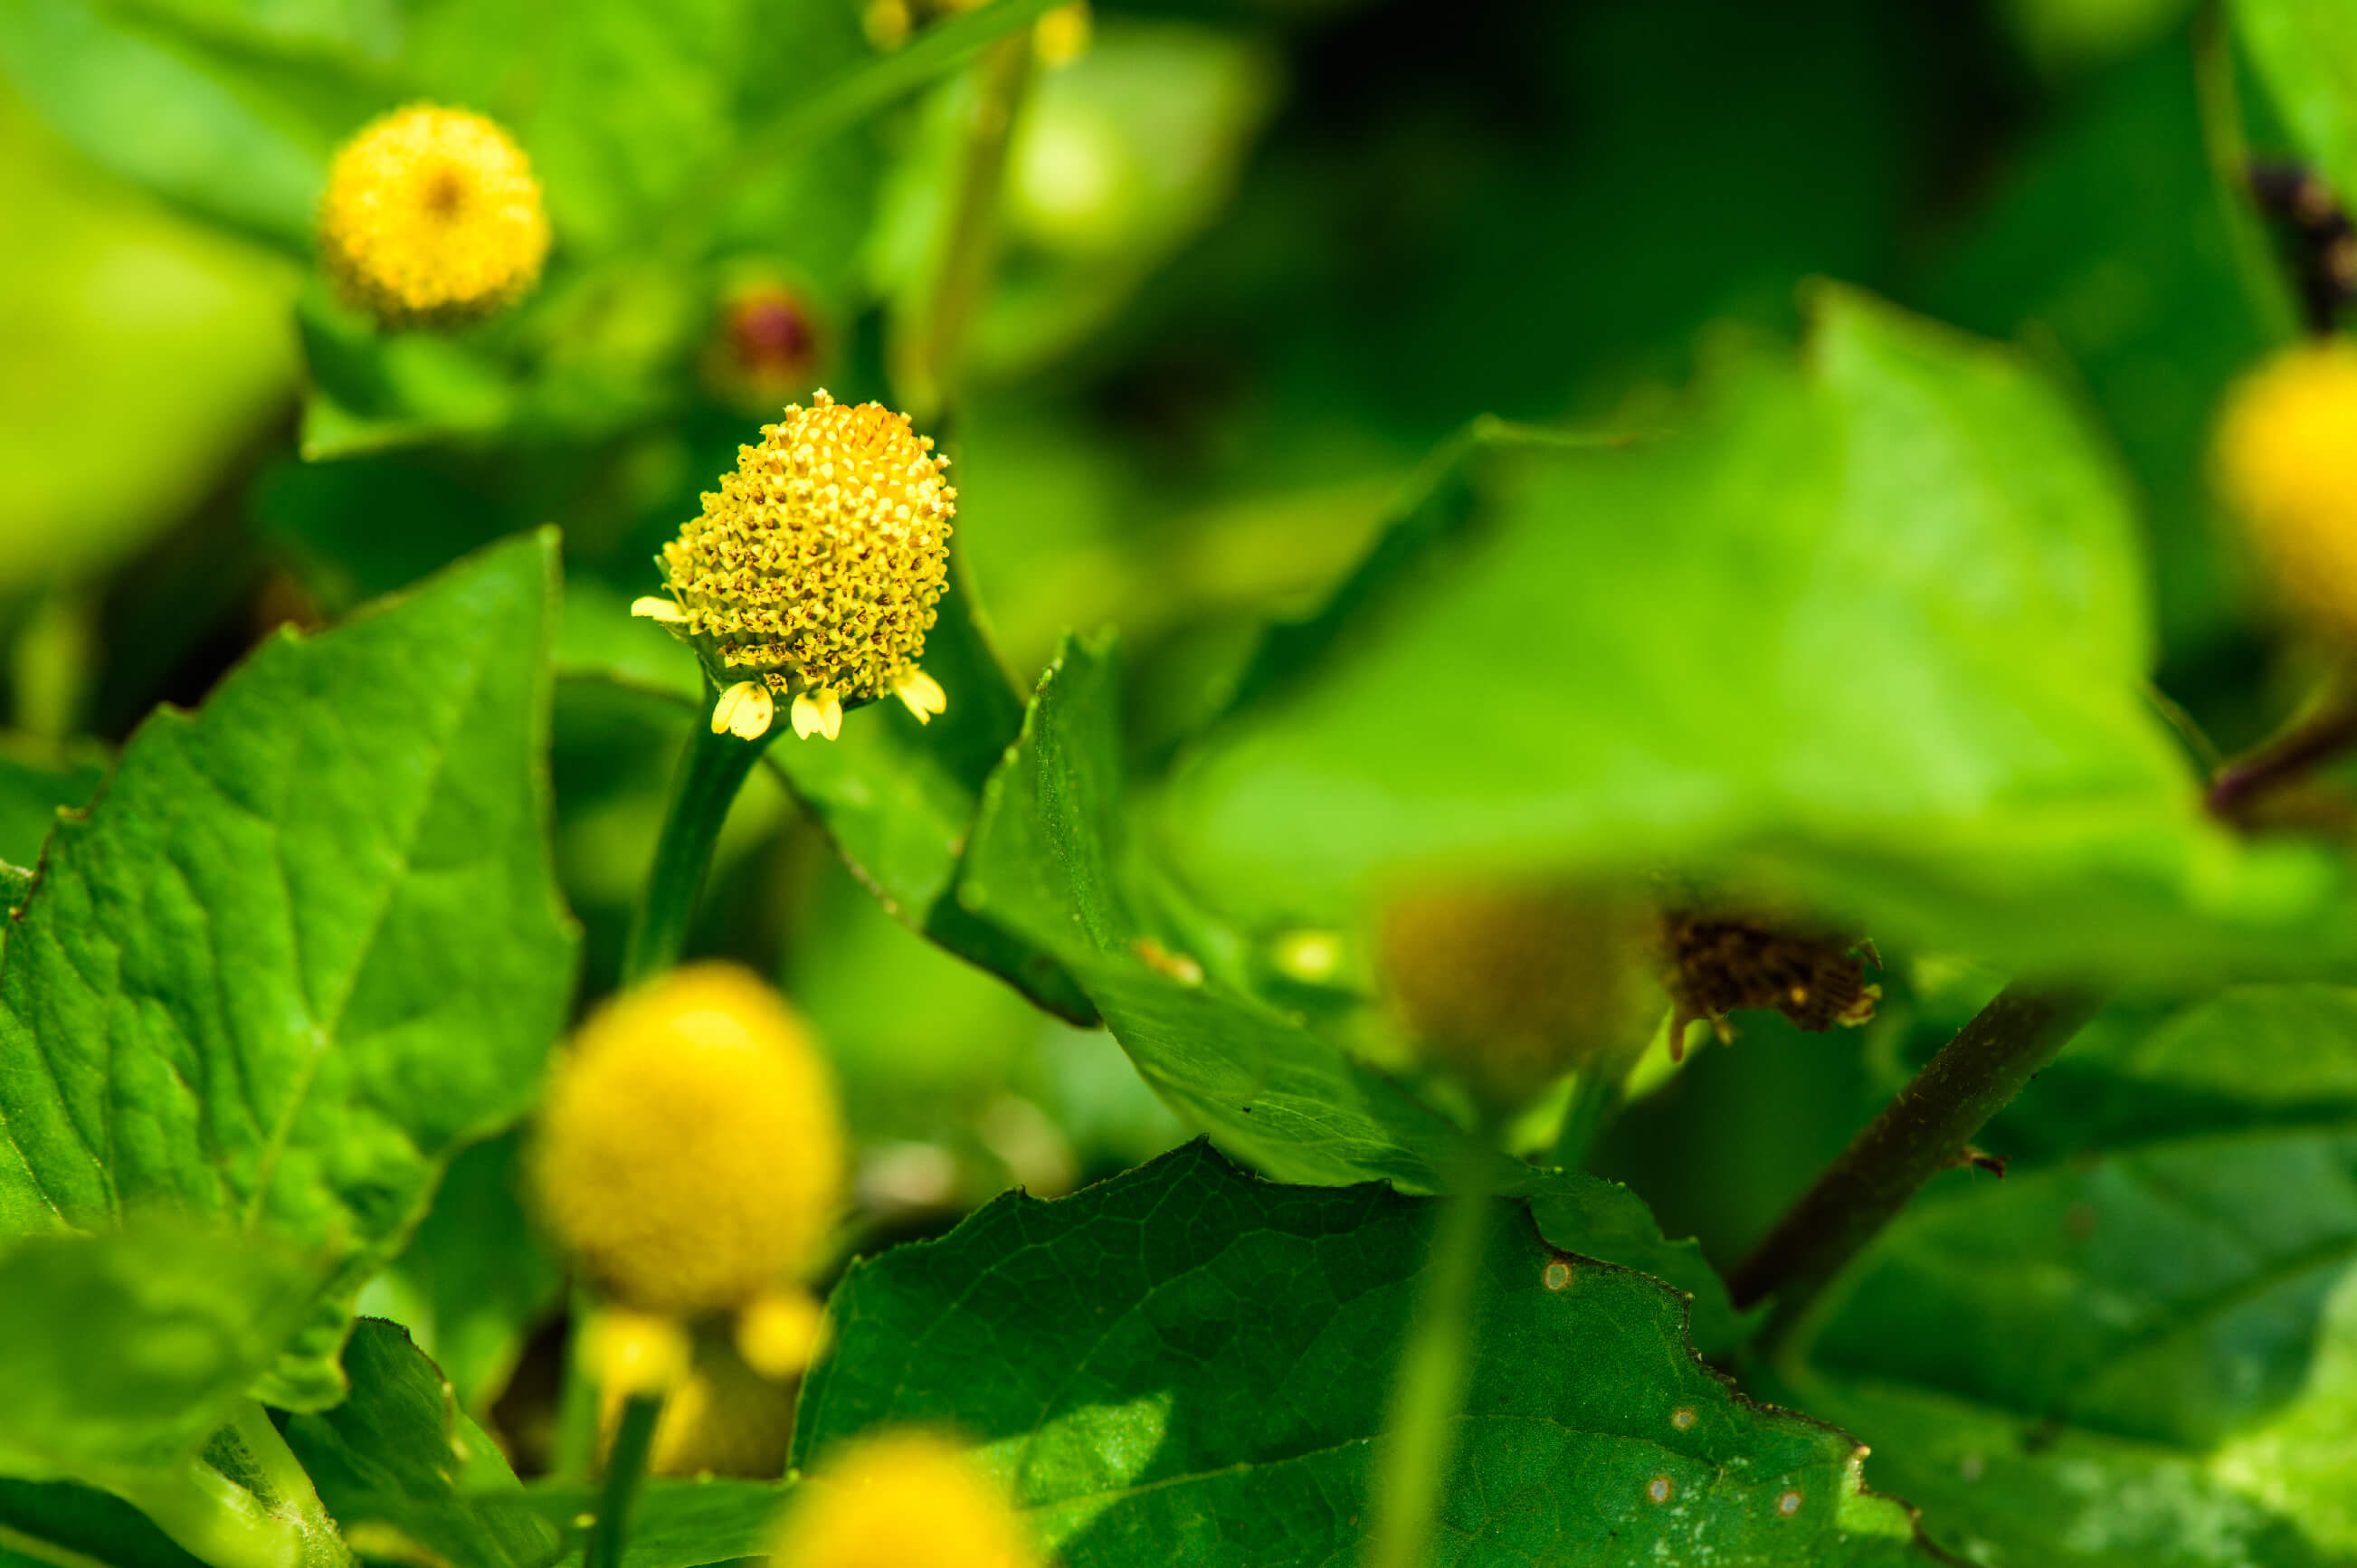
column 248, row 1503
column 714, row 769
column 1430, row 1394
column 1926, row 1130
column 926, row 352
column 1596, row 1098
column 626, row 1468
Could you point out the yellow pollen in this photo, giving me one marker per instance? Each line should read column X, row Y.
column 816, row 565
column 432, row 217
column 2286, row 461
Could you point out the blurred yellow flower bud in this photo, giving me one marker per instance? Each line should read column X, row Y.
column 722, row 1418
column 906, row 1498
column 781, row 1332
column 1062, row 35
column 813, row 572
column 690, row 1153
column 431, row 218
column 1511, row 988
column 637, row 1352
column 2286, row 461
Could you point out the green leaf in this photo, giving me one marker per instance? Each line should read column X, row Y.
column 1053, row 861
column 899, row 797
column 1870, row 635
column 677, row 1524
column 42, row 1518
column 2306, row 53
column 1185, row 1364
column 408, row 1477
column 120, row 1353
column 2072, row 1363
column 1577, row 1213
column 2149, row 276
column 234, row 134
column 305, row 946
column 32, row 794
column 474, row 1280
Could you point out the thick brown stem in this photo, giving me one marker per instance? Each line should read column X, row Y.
column 1929, row 1128
column 2289, row 756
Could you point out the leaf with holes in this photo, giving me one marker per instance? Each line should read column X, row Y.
column 1187, row 1364
column 305, row 946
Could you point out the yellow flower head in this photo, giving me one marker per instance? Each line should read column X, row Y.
column 690, row 1153
column 432, row 217
column 1511, row 988
column 2288, row 463
column 900, row 1499
column 813, row 572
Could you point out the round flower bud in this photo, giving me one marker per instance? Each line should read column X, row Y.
column 2286, row 461
column 1510, row 989
column 764, row 346
column 1723, row 964
column 813, row 572
column 432, row 218
column 905, row 1498
column 690, row 1154
column 637, row 1352
column 722, row 1418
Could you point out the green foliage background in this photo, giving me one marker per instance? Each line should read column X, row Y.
column 1397, row 443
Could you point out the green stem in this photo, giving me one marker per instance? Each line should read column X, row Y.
column 925, row 356
column 711, row 773
column 1430, row 1393
column 1595, row 1099
column 1929, row 1128
column 626, row 1468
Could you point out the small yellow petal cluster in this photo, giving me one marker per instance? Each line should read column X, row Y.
column 902, row 1499
column 1509, row 988
column 813, row 572
column 431, row 218
column 690, row 1153
column 2286, row 460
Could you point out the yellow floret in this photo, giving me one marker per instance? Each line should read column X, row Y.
column 690, row 1153
column 900, row 1499
column 1511, row 988
column 2288, row 463
column 432, row 217
column 814, row 570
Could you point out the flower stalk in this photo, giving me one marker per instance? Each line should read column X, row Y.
column 626, row 1470
column 1413, row 1468
column 711, row 773
column 1929, row 1128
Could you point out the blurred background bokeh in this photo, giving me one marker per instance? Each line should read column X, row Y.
column 1251, row 261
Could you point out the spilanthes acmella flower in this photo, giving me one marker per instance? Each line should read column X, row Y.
column 1509, row 988
column 900, row 1498
column 432, row 217
column 813, row 574
column 2286, row 460
column 690, row 1156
